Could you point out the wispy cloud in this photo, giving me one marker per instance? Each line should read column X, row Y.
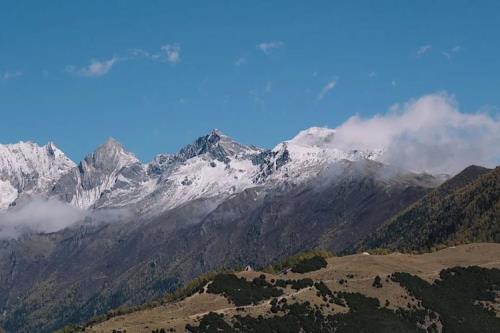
column 241, row 61
column 327, row 88
column 268, row 87
column 424, row 49
column 138, row 53
column 96, row 68
column 449, row 53
column 167, row 53
column 268, row 47
column 9, row 75
column 394, row 83
column 372, row 75
column 172, row 53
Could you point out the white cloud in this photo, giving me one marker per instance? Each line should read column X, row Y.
column 372, row 74
column 326, row 89
column 8, row 75
column 424, row 49
column 394, row 107
column 94, row 69
column 172, row 53
column 241, row 61
column 268, row 47
column 428, row 134
column 39, row 216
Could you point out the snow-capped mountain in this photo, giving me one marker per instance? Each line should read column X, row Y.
column 213, row 166
column 306, row 155
column 29, row 169
column 107, row 173
column 216, row 203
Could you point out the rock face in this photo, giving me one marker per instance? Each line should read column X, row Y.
column 216, row 203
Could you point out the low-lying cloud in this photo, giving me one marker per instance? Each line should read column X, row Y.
column 41, row 215
column 38, row 216
column 428, row 134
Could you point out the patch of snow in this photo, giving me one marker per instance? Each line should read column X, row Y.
column 7, row 194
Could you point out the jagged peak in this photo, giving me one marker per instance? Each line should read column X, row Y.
column 217, row 132
column 21, row 144
column 32, row 148
column 217, row 144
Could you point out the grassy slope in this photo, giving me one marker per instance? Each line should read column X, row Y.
column 350, row 278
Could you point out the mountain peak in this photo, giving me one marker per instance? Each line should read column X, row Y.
column 112, row 143
column 26, row 167
column 110, row 155
column 217, row 132
column 321, row 137
column 216, row 144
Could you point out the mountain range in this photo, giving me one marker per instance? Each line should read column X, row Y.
column 138, row 230
column 213, row 166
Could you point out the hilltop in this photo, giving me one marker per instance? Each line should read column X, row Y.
column 362, row 292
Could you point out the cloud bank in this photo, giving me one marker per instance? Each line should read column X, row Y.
column 428, row 134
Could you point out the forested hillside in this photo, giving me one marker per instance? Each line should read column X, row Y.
column 464, row 209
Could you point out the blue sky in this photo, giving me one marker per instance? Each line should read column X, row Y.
column 165, row 72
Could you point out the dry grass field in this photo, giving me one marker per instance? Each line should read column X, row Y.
column 354, row 273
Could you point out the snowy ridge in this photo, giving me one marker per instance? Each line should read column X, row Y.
column 213, row 166
column 27, row 168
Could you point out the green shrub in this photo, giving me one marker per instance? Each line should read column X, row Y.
column 294, row 260
column 456, row 295
column 309, row 265
column 240, row 291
